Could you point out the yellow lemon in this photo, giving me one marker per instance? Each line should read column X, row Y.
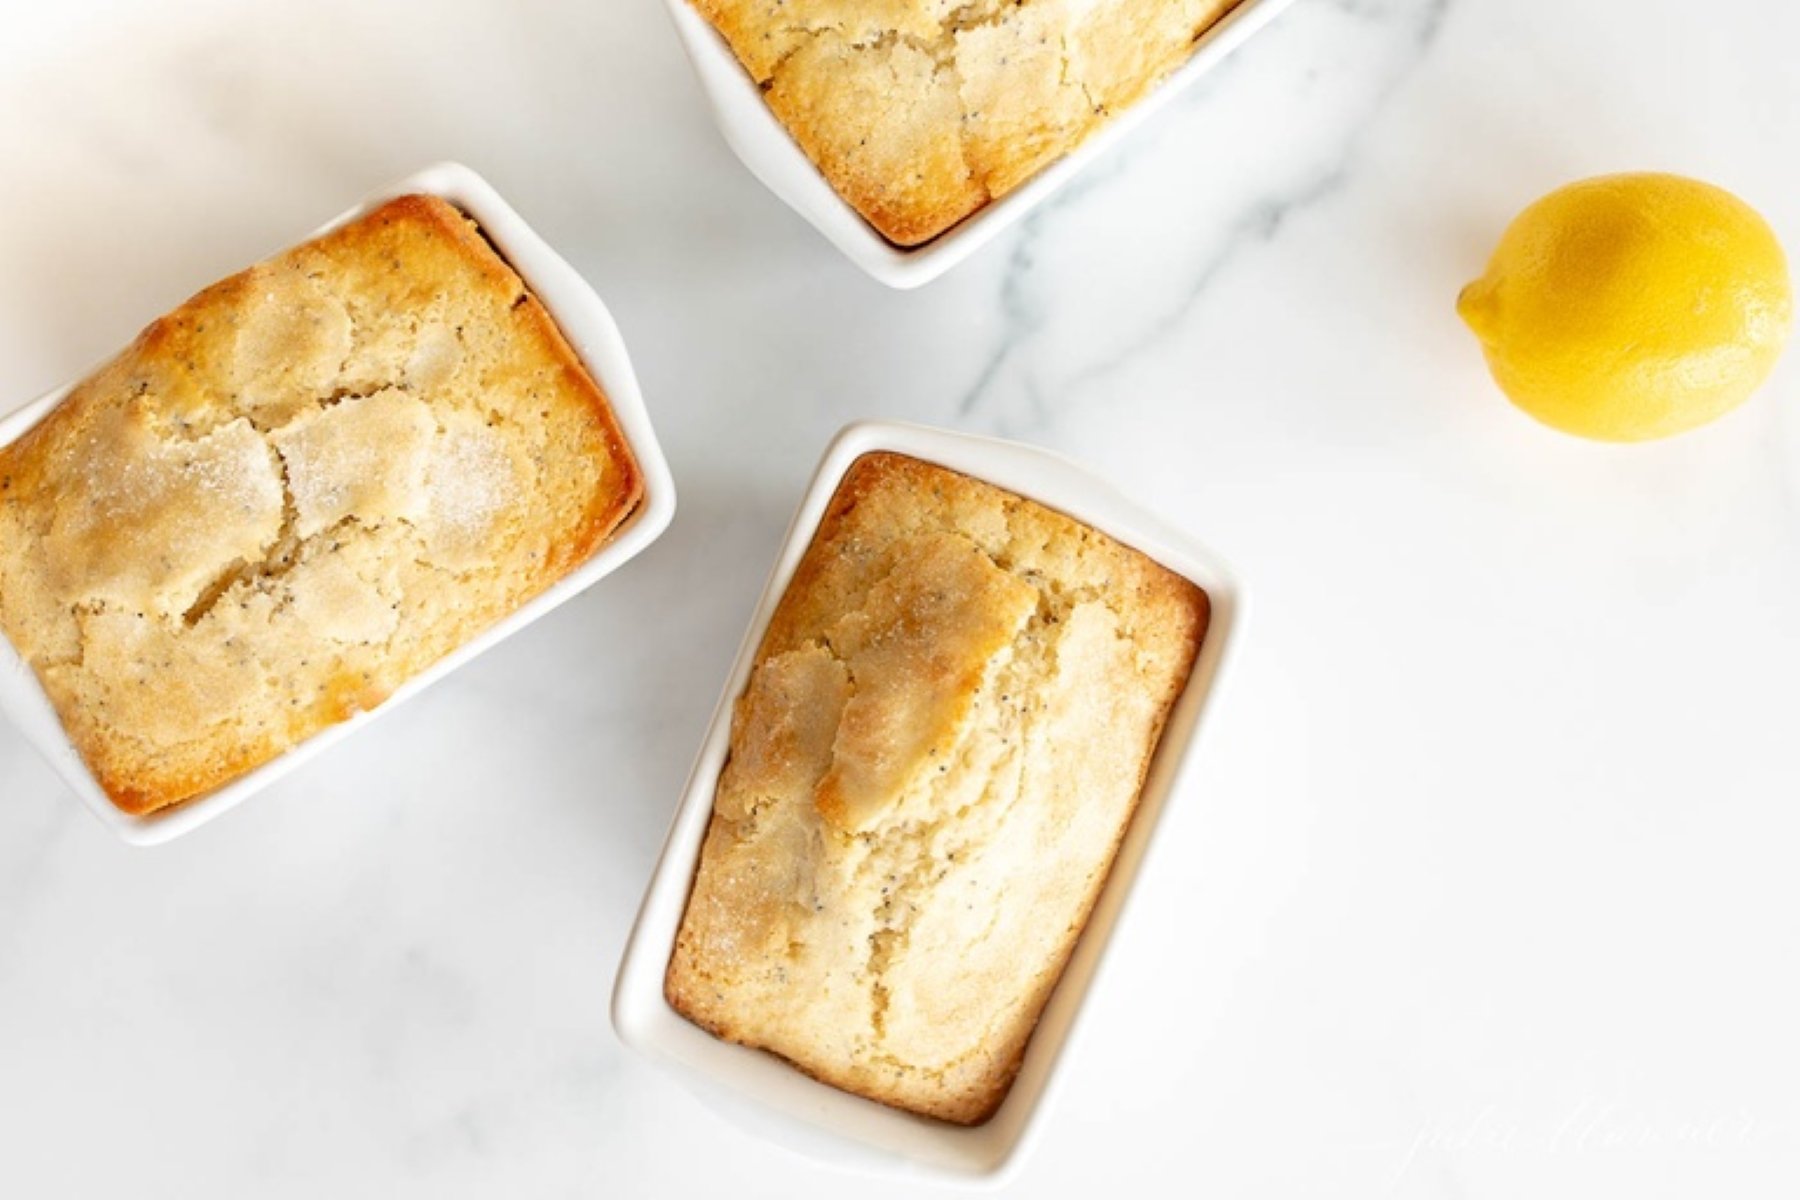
column 1632, row 307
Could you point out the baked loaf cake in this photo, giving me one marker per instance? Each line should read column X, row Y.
column 938, row 751
column 919, row 112
column 294, row 492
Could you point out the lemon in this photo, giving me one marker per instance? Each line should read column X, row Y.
column 1632, row 307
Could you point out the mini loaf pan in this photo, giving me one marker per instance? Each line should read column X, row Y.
column 764, row 145
column 589, row 328
column 765, row 1095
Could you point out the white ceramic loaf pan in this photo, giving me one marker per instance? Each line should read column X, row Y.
column 585, row 321
column 773, row 156
column 763, row 1093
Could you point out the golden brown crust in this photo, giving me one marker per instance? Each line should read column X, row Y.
column 293, row 493
column 919, row 112
column 938, row 751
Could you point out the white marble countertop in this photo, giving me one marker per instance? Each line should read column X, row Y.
column 1485, row 886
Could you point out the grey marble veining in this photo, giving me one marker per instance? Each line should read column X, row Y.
column 1311, row 42
column 1483, row 883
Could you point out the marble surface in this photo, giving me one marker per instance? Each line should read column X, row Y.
column 1484, row 887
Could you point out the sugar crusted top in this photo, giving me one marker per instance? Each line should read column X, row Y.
column 920, row 112
column 937, row 752
column 296, row 491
